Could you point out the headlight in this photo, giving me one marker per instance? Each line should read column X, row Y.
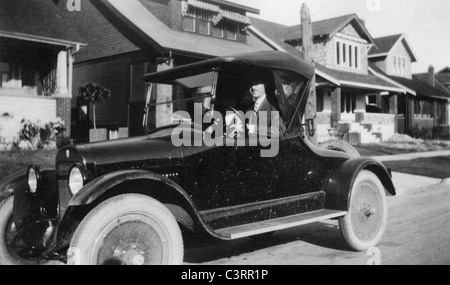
column 34, row 176
column 76, row 180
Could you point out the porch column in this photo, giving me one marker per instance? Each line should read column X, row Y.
column 336, row 105
column 435, row 114
column 164, row 94
column 393, row 109
column 379, row 101
column 447, row 115
column 411, row 114
column 61, row 74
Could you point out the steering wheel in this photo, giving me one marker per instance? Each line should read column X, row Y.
column 235, row 127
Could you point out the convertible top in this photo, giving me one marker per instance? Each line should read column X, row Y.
column 266, row 59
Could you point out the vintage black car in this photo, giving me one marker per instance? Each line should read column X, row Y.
column 130, row 201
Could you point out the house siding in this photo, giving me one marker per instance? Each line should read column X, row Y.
column 13, row 109
column 398, row 50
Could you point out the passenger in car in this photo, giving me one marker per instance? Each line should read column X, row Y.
column 263, row 125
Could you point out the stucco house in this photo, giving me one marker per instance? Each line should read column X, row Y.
column 128, row 39
column 426, row 102
column 37, row 48
column 345, row 83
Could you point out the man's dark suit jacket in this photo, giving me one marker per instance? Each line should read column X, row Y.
column 265, row 106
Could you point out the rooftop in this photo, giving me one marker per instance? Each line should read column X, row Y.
column 37, row 20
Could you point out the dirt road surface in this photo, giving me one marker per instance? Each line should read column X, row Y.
column 418, row 232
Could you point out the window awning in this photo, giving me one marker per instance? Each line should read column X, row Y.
column 203, row 6
column 236, row 17
column 217, row 13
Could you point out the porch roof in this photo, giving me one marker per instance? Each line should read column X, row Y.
column 38, row 21
column 425, row 89
column 162, row 38
column 355, row 80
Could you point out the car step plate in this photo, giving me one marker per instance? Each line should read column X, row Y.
column 279, row 224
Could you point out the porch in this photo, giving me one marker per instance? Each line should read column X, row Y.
column 350, row 113
column 35, row 79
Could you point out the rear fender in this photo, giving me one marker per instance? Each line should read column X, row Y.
column 340, row 184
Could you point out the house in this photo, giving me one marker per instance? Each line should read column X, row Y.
column 424, row 106
column 436, row 106
column 37, row 48
column 443, row 77
column 128, row 39
column 345, row 82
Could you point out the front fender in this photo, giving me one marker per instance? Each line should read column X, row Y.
column 96, row 188
column 93, row 191
column 11, row 182
column 339, row 186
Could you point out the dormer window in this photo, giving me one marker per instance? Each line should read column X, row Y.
column 347, row 54
column 210, row 20
column 399, row 66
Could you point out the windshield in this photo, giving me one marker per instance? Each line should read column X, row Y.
column 179, row 100
column 173, row 100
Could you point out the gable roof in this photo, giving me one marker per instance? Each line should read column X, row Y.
column 340, row 78
column 127, row 26
column 441, row 90
column 384, row 45
column 373, row 68
column 356, row 80
column 329, row 28
column 37, row 20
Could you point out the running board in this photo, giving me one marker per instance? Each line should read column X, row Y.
column 278, row 224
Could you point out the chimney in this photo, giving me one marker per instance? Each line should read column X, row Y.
column 431, row 78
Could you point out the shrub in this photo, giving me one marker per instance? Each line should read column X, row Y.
column 39, row 135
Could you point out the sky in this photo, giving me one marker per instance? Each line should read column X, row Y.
column 426, row 23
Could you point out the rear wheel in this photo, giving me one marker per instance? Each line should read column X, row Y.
column 127, row 230
column 364, row 225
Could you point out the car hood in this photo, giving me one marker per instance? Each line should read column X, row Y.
column 130, row 153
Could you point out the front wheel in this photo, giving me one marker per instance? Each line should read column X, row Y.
column 127, row 230
column 364, row 225
column 13, row 251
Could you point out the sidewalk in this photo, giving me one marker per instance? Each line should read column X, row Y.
column 407, row 182
column 411, row 156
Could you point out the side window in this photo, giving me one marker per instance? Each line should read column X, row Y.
column 289, row 89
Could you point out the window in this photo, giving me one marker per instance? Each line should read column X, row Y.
column 399, row 62
column 338, row 53
column 203, row 27
column 350, row 57
column 189, row 24
column 231, row 29
column 403, row 66
column 347, row 55
column 344, row 54
column 217, row 31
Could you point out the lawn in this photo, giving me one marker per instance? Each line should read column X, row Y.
column 436, row 167
column 13, row 161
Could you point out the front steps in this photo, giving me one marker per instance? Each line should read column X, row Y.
column 362, row 133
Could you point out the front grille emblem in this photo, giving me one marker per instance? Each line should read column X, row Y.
column 68, row 153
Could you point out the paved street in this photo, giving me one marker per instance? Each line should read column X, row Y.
column 418, row 232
